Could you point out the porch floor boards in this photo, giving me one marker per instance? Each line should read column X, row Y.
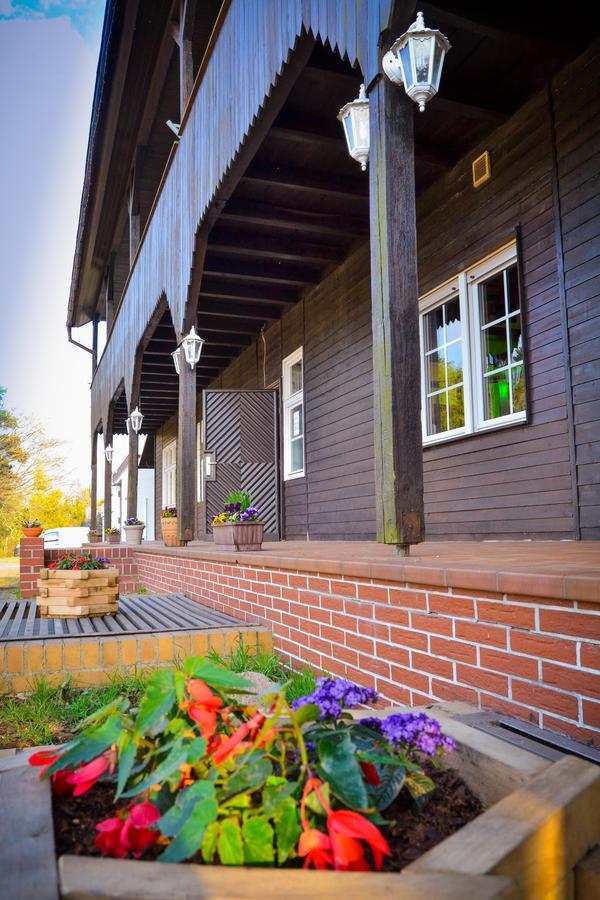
column 553, row 569
column 138, row 614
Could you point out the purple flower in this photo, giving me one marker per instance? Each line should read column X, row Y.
column 415, row 731
column 334, row 695
column 238, row 506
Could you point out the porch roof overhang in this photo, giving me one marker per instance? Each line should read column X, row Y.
column 300, row 205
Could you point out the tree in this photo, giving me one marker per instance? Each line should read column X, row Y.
column 12, row 454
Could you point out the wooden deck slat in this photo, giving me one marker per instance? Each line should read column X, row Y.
column 138, row 614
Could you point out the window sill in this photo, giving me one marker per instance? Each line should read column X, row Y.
column 294, row 476
column 452, row 439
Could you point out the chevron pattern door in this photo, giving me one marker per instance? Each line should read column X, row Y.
column 241, row 434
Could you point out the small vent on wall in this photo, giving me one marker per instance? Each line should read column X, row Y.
column 482, row 169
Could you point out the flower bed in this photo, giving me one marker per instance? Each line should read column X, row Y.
column 78, row 586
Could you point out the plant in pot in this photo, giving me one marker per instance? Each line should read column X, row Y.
column 113, row 535
column 78, row 585
column 195, row 769
column 32, row 528
column 94, row 536
column 168, row 521
column 133, row 528
column 237, row 527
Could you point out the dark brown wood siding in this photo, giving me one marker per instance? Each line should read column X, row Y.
column 576, row 100
column 515, row 482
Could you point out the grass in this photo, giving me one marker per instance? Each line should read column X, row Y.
column 9, row 572
column 51, row 715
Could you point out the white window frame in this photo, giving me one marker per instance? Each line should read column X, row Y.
column 199, row 464
column 290, row 400
column 465, row 286
column 169, row 475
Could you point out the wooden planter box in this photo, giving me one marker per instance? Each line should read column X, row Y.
column 67, row 594
column 113, row 538
column 543, row 819
column 239, row 536
column 169, row 532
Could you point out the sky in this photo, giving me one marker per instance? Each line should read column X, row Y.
column 48, row 57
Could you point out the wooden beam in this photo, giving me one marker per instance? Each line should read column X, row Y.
column 133, row 203
column 225, row 309
column 468, row 111
column 222, row 267
column 240, row 243
column 302, row 136
column 310, row 182
column 244, row 293
column 186, row 454
column 394, row 293
column 110, row 292
column 108, row 438
column 132, row 474
column 94, row 344
column 279, row 217
column 187, row 15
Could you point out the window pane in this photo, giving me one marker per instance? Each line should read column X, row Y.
column 296, row 425
column 496, row 395
column 491, row 298
column 516, row 339
column 456, row 407
column 296, row 377
column 452, row 320
column 512, row 282
column 518, row 388
column 454, row 363
column 297, row 454
column 436, row 414
column 494, row 350
column 436, row 372
column 434, row 328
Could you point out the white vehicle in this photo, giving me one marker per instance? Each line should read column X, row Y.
column 64, row 538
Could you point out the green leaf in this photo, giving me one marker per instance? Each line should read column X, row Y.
column 340, row 768
column 196, row 750
column 258, row 841
column 307, row 713
column 273, row 796
column 380, row 758
column 176, row 757
column 191, row 835
column 229, row 843
column 240, row 801
column 419, row 786
column 248, row 777
column 287, row 829
column 217, row 676
column 158, row 699
column 90, row 744
column 179, row 685
column 127, row 753
column 313, row 802
column 209, row 842
column 119, row 704
column 174, row 819
column 391, row 783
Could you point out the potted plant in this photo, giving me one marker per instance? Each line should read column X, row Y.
column 237, row 527
column 82, row 585
column 197, row 769
column 134, row 528
column 94, row 536
column 32, row 528
column 168, row 521
column 113, row 535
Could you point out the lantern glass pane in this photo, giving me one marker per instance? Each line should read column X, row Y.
column 188, row 349
column 361, row 124
column 438, row 61
column 422, row 50
column 405, row 62
column 349, row 131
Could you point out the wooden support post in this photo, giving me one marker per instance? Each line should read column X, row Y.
column 110, row 292
column 94, row 483
column 107, row 480
column 394, row 293
column 132, row 475
column 94, row 344
column 186, row 58
column 134, row 205
column 186, row 454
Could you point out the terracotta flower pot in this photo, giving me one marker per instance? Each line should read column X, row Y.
column 239, row 536
column 113, row 538
column 32, row 532
column 94, row 537
column 169, row 532
column 133, row 533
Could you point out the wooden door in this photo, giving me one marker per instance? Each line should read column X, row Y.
column 242, row 448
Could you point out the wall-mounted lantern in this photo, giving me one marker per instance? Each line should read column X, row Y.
column 176, row 356
column 135, row 420
column 108, row 452
column 354, row 116
column 416, row 60
column 192, row 347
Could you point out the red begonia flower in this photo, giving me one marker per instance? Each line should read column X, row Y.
column 108, row 839
column 202, row 694
column 316, row 847
column 370, row 772
column 52, row 565
column 204, row 707
column 86, row 776
column 118, row 836
column 229, row 745
column 43, row 758
column 347, row 829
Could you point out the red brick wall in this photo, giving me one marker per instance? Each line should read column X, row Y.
column 535, row 659
column 33, row 557
column 31, row 560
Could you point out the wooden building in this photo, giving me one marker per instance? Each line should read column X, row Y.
column 388, row 354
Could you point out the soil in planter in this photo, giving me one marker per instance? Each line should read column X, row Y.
column 410, row 833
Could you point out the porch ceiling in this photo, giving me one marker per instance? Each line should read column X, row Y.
column 301, row 206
